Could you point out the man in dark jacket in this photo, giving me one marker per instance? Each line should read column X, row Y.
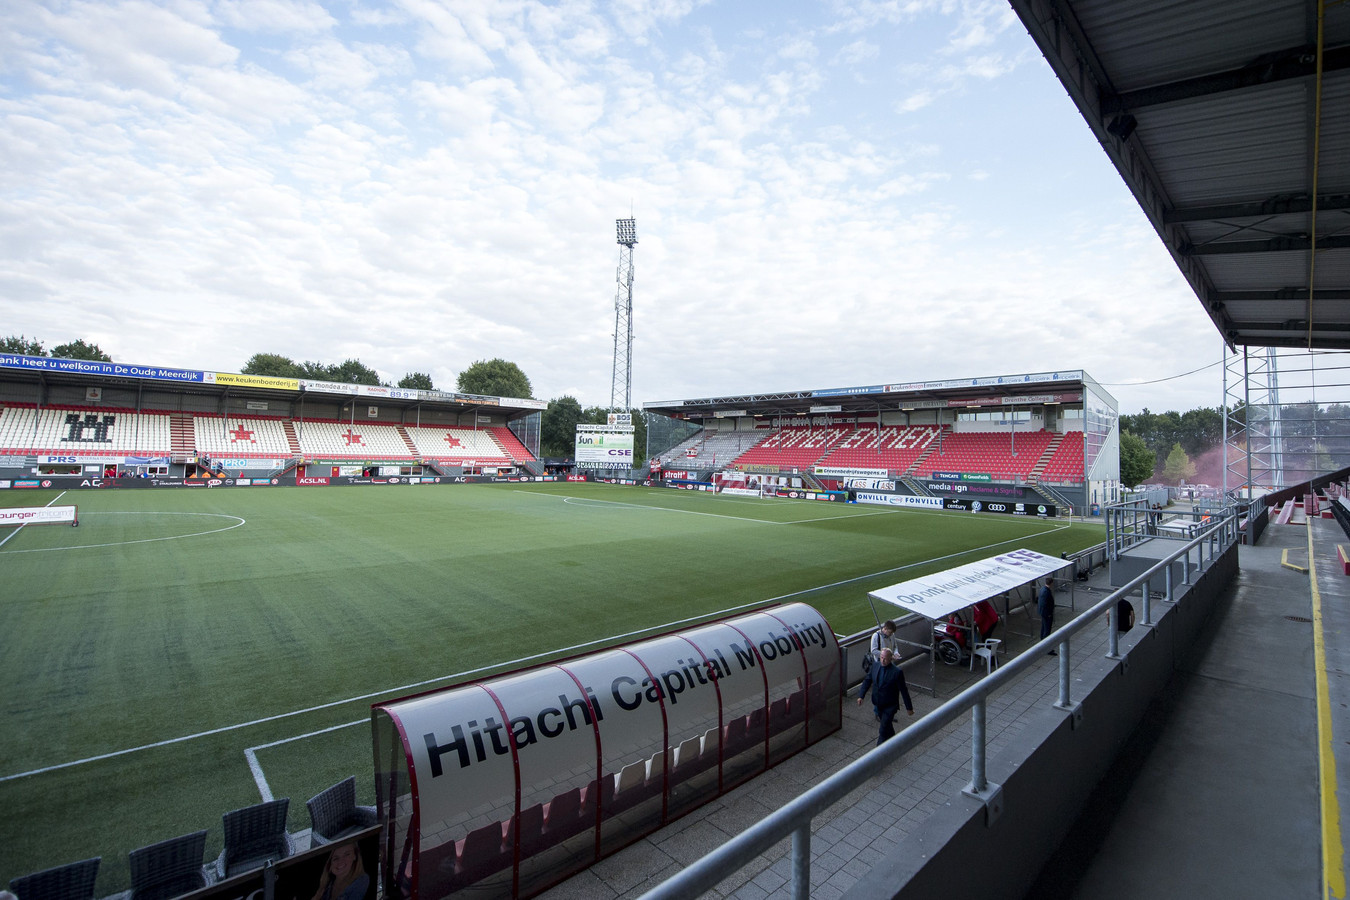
column 1045, row 605
column 887, row 682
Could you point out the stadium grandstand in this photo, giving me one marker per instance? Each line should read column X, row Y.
column 138, row 425
column 1049, row 438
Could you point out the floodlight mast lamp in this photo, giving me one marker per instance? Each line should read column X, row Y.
column 621, row 382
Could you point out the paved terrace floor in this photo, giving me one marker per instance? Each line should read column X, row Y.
column 1216, row 795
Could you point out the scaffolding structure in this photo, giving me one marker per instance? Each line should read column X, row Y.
column 1286, row 417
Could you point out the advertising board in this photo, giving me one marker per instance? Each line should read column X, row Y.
column 596, row 449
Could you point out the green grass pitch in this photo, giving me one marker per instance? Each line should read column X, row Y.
column 272, row 618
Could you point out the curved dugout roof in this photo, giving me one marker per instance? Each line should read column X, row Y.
column 1229, row 120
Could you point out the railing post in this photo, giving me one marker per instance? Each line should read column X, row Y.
column 1065, row 700
column 1186, row 567
column 978, row 780
column 1113, row 633
column 1148, row 603
column 1168, row 595
column 801, row 862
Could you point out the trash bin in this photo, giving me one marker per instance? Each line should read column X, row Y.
column 1096, row 510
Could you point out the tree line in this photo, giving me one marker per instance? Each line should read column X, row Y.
column 1164, row 446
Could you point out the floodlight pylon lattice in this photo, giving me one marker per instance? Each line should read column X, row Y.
column 621, row 381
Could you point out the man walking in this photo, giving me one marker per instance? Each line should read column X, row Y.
column 887, row 682
column 1045, row 605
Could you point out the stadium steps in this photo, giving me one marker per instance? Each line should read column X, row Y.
column 292, row 439
column 182, row 438
column 1034, row 476
column 916, row 486
column 407, row 439
column 928, row 451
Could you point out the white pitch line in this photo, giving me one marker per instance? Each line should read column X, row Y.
column 21, row 527
column 238, row 523
column 250, row 753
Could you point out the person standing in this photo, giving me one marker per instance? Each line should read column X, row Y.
column 882, row 638
column 1045, row 605
column 887, row 682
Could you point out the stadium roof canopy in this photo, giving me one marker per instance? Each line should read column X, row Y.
column 1001, row 390
column 44, row 372
column 1229, row 120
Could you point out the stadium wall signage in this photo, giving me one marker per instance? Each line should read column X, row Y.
column 961, row 476
column 93, row 367
column 38, row 515
column 897, row 500
column 995, row 490
column 994, row 506
column 837, row 472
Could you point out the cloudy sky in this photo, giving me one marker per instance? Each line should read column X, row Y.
column 833, row 193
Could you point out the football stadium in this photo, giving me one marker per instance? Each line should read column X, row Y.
column 286, row 637
column 249, row 567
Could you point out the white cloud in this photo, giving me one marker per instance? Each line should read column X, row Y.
column 421, row 185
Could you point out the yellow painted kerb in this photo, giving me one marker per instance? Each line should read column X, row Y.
column 1333, row 850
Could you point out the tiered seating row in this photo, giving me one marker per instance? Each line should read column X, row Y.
column 329, row 438
column 1067, row 463
column 794, row 447
column 977, row 451
column 456, row 444
column 76, row 431
column 83, row 431
column 892, row 447
column 231, row 436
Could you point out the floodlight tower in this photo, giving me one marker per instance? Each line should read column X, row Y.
column 621, row 383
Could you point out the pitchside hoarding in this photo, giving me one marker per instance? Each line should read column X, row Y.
column 39, row 515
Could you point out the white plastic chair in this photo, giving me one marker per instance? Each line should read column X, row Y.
column 988, row 651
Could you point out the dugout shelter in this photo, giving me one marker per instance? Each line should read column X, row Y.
column 507, row 786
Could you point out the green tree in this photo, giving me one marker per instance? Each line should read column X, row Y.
column 353, row 371
column 272, row 365
column 1178, row 465
column 316, row 370
column 558, row 427
column 21, row 345
column 1136, row 460
column 495, row 378
column 419, row 381
column 80, row 350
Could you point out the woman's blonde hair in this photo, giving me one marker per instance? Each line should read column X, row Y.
column 334, row 891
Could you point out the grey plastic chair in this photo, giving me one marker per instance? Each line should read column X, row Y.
column 170, row 868
column 335, row 815
column 254, row 836
column 73, row 881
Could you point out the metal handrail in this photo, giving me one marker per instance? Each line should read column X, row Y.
column 794, row 818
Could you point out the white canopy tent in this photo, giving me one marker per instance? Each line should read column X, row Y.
column 937, row 596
